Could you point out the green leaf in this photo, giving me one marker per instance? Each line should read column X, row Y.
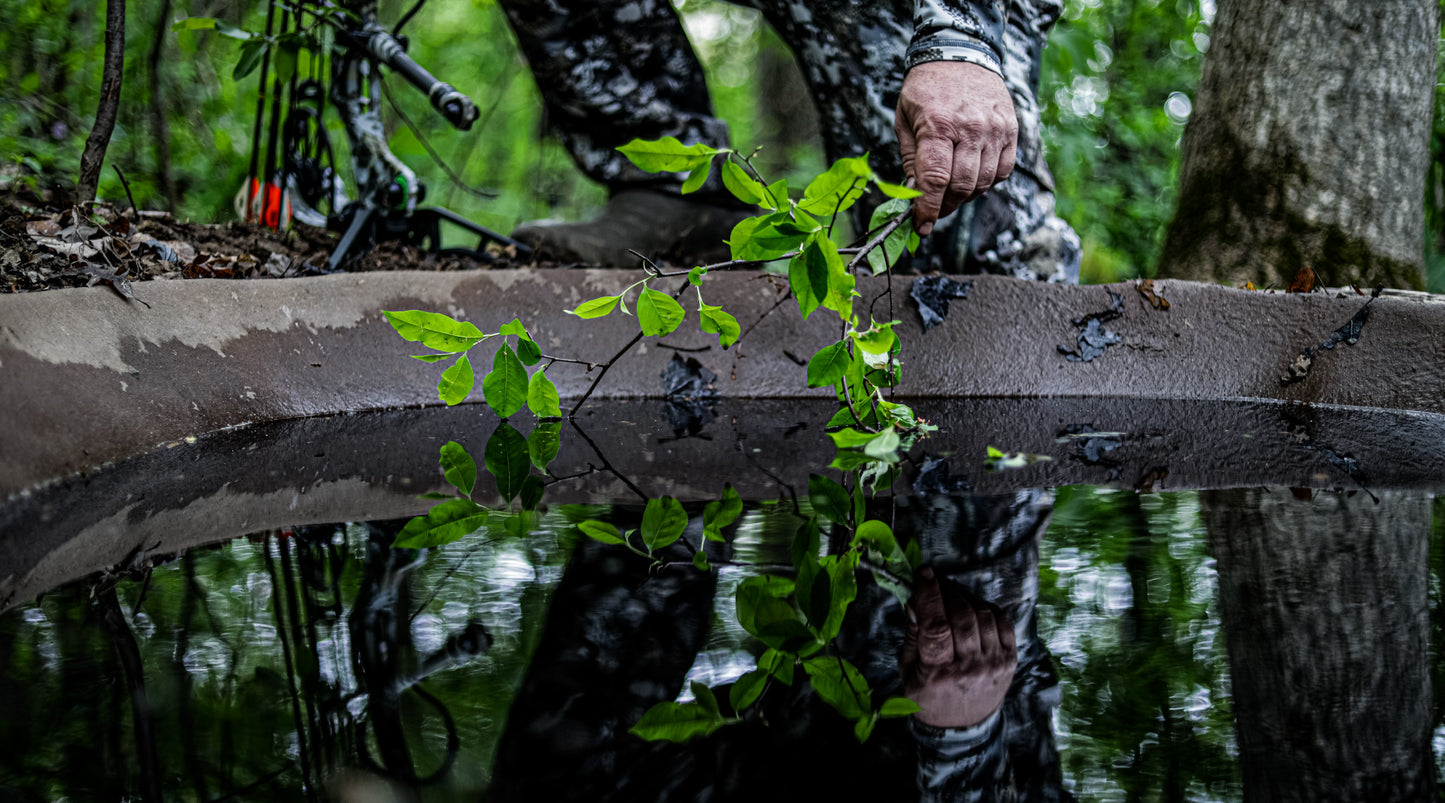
column 814, row 592
column 844, row 418
column 506, row 460
column 543, row 442
column 699, row 561
column 747, row 689
column 694, row 277
column 778, row 191
column 828, row 365
column 532, row 490
column 284, row 64
column 743, row 186
column 514, row 327
column 663, row 521
column 433, row 357
column 601, row 531
column 666, row 155
column 697, row 177
column 505, row 388
column 806, row 542
column 542, row 396
column 877, row 340
column 443, row 524
column 884, row 446
column 843, row 589
column 808, row 275
column 763, row 613
column 874, row 534
column 250, row 58
column 434, row 330
column 863, row 727
column 714, row 321
column 528, row 352
column 676, row 722
column 740, row 241
column 779, row 233
column 895, row 707
column 433, row 495
column 705, row 698
column 194, row 24
column 457, row 382
column 838, row 188
column 896, row 190
column 227, row 29
column 891, row 249
column 828, row 498
column 658, row 313
column 458, row 467
column 849, row 438
column 720, row 513
column 778, row 665
column 993, row 453
column 841, row 685
column 839, row 296
column 595, row 308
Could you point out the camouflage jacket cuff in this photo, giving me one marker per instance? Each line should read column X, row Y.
column 957, row 30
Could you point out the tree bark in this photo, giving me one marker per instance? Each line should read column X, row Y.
column 1308, row 145
column 158, row 109
column 93, row 157
column 1325, row 607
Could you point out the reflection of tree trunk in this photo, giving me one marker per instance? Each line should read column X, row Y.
column 1308, row 144
column 113, row 621
column 1325, row 609
column 93, row 156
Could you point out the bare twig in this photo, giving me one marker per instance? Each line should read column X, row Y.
column 879, row 238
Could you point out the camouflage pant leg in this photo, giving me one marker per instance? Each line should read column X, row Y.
column 612, row 70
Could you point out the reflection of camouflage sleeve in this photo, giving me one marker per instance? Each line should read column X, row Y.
column 969, row 31
column 962, row 765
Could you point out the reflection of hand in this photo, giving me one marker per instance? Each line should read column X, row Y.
column 958, row 655
column 957, row 133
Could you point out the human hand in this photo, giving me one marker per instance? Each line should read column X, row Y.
column 958, row 655
column 958, row 135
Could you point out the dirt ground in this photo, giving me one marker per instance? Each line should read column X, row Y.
column 43, row 248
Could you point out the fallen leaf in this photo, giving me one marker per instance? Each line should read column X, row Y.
column 1146, row 289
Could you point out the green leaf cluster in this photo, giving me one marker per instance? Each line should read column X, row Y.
column 507, row 388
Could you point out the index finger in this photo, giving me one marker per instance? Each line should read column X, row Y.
column 935, row 634
column 933, row 170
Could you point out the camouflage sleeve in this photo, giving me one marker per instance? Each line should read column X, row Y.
column 962, row 765
column 957, row 30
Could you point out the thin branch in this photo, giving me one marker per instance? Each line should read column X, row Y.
column 743, row 263
column 879, row 238
column 604, row 366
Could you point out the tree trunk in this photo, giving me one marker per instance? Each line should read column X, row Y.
column 1308, row 145
column 93, row 157
column 1325, row 607
column 161, row 126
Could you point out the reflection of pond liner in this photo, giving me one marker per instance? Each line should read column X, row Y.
column 371, row 466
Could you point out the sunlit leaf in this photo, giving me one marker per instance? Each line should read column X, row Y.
column 828, row 365
column 658, row 313
column 443, row 524
column 505, row 387
column 893, row 246
column 877, row 536
column 838, row 188
column 697, row 177
column 457, row 382
column 458, row 467
column 663, row 521
column 877, row 340
column 528, row 352
column 434, row 330
column 542, row 396
column 595, row 308
column 714, row 321
column 896, row 190
column 743, row 186
column 721, row 512
column 515, row 328
column 507, row 460
column 666, row 155
column 898, row 707
column 433, row 357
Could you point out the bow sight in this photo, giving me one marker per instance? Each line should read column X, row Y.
column 295, row 178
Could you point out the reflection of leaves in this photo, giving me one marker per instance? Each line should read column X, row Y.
column 898, row 707
column 507, row 459
column 840, row 685
column 747, row 689
column 443, row 524
column 677, row 722
column 532, row 490
column 720, row 513
column 828, row 498
column 459, row 467
column 763, row 612
column 663, row 521
column 543, row 443
column 601, row 531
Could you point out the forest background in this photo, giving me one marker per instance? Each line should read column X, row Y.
column 1118, row 80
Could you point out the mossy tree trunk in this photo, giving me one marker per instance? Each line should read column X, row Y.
column 1308, row 145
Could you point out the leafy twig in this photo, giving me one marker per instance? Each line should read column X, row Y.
column 879, row 238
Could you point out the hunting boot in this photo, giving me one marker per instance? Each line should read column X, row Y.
column 662, row 226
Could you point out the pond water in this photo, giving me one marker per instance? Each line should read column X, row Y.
column 1263, row 642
